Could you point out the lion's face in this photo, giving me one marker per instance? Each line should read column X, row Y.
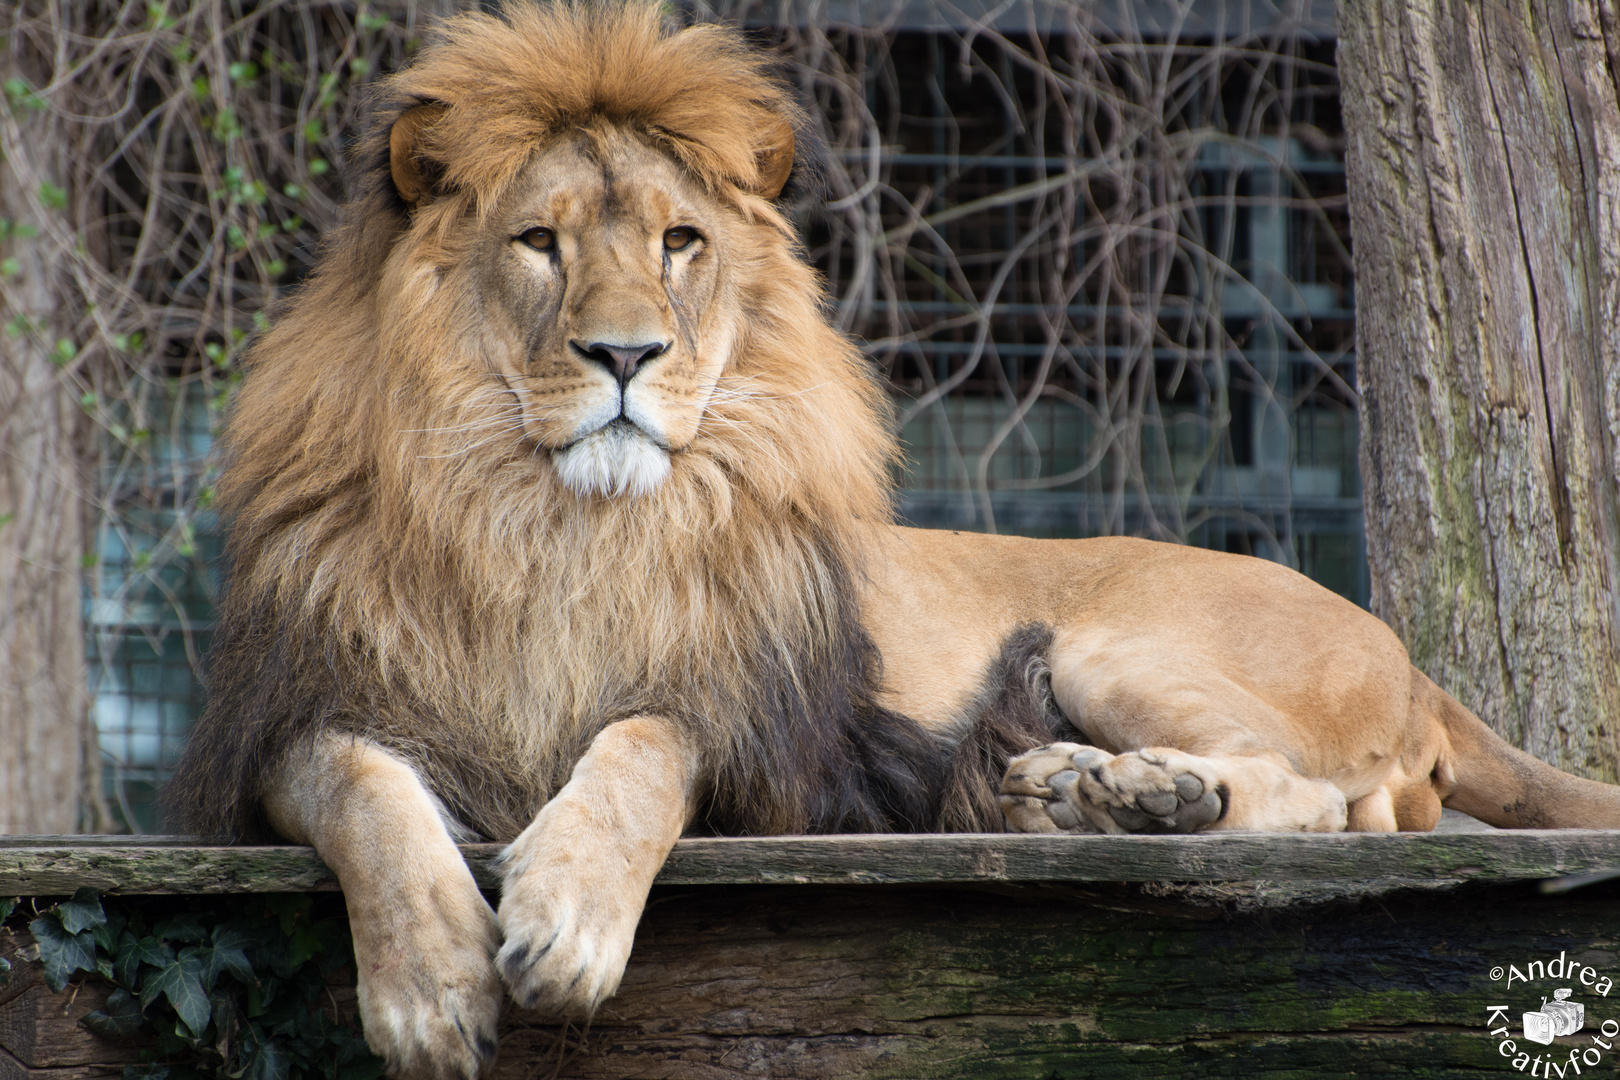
column 604, row 262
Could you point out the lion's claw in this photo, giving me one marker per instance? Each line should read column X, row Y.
column 1070, row 788
column 565, row 948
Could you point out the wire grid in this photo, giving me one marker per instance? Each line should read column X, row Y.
column 151, row 597
column 1101, row 260
column 1101, row 252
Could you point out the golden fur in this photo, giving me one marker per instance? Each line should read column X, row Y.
column 561, row 516
column 380, row 503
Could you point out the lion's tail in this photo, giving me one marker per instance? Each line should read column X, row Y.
column 1504, row 786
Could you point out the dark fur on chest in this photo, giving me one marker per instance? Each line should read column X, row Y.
column 809, row 751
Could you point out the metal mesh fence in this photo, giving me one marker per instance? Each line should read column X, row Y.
column 151, row 596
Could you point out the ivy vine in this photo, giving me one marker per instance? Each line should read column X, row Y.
column 237, row 992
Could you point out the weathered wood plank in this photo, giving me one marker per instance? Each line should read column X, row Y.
column 1060, row 983
column 12, row 1069
column 1034, row 982
column 58, row 870
column 1416, row 857
column 42, row 1030
column 54, row 866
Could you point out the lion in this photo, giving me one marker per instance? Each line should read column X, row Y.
column 562, row 517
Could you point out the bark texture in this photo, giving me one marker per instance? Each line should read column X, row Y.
column 47, row 762
column 1484, row 169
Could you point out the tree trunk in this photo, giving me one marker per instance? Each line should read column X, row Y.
column 48, row 760
column 1484, row 170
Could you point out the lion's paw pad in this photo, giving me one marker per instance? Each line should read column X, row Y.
column 1070, row 788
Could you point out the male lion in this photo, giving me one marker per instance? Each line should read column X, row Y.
column 562, row 517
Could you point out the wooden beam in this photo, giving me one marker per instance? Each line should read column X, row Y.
column 48, row 866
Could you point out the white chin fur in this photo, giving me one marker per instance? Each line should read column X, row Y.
column 612, row 461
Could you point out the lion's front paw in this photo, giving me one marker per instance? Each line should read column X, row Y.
column 1066, row 787
column 563, row 954
column 567, row 918
column 428, row 993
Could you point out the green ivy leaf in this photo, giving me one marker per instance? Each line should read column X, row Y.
column 111, row 929
column 181, row 983
column 305, row 945
column 82, row 912
column 7, row 906
column 61, row 952
column 121, row 1019
column 266, row 1058
column 127, row 961
column 230, row 956
column 149, row 950
column 54, row 198
column 290, row 909
column 187, row 928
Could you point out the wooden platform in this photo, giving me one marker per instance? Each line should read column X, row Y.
column 993, row 956
column 49, row 865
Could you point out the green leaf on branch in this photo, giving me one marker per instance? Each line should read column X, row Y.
column 22, row 96
column 54, row 198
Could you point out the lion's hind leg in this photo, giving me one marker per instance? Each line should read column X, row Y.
column 1066, row 787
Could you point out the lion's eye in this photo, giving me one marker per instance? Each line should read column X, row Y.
column 679, row 238
column 540, row 239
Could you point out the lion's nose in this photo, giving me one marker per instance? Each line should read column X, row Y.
column 622, row 360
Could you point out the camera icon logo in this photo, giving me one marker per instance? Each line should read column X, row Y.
column 1557, row 1017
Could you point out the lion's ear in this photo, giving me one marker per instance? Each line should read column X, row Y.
column 416, row 176
column 776, row 161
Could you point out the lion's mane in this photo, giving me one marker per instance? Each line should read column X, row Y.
column 403, row 567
